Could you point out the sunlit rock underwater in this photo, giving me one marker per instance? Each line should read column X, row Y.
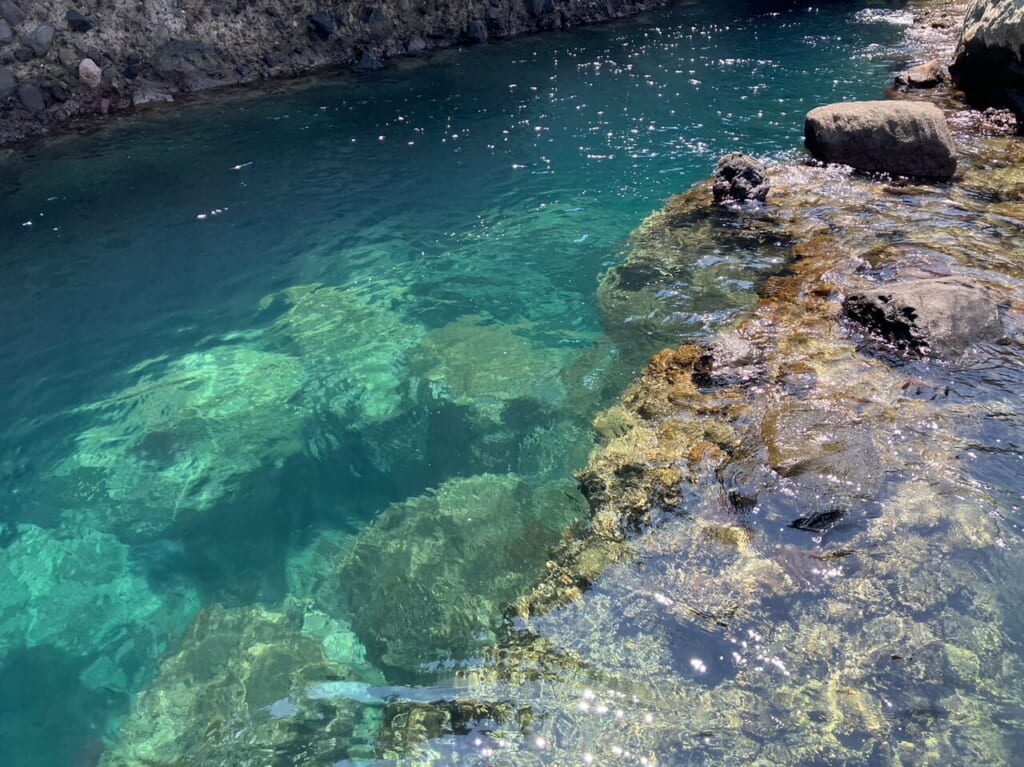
column 249, row 684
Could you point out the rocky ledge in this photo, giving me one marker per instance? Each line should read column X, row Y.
column 61, row 59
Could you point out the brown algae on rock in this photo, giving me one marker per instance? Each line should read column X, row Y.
column 787, row 565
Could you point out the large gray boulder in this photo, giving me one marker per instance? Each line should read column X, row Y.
column 989, row 55
column 905, row 138
column 935, row 317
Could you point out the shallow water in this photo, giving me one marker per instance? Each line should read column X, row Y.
column 333, row 352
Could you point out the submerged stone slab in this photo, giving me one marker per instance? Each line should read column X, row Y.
column 427, row 582
column 938, row 317
column 248, row 682
column 898, row 137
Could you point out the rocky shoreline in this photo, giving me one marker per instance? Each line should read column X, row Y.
column 788, row 559
column 64, row 61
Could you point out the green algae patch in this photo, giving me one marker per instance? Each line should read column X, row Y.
column 247, row 686
column 175, row 444
column 426, row 582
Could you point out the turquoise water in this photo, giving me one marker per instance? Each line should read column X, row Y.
column 287, row 346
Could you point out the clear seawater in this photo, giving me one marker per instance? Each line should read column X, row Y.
column 230, row 329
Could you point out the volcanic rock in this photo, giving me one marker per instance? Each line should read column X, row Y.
column 740, row 177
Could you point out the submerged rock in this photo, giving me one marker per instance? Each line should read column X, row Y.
column 898, row 137
column 175, row 444
column 248, row 682
column 936, row 317
column 427, row 581
column 740, row 177
column 79, row 592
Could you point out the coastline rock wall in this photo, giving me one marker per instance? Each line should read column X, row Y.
column 989, row 60
column 60, row 60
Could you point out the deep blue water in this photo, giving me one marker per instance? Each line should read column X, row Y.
column 458, row 208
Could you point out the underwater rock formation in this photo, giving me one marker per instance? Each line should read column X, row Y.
column 79, row 592
column 184, row 438
column 413, row 604
column 899, row 137
column 254, row 686
column 719, row 255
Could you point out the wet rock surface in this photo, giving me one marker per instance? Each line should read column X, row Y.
column 926, row 75
column 901, row 138
column 988, row 60
column 939, row 317
column 740, row 177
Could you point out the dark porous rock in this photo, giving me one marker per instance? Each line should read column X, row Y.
column 740, row 177
column 191, row 65
column 6, row 33
column 904, row 138
column 23, row 54
column 540, row 7
column 926, row 75
column 31, row 98
column 40, row 39
column 321, row 25
column 77, row 22
column 58, row 92
column 132, row 66
column 369, row 62
column 476, row 31
column 12, row 12
column 8, row 83
column 939, row 317
column 989, row 61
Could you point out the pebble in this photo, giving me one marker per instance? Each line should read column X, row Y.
column 77, row 22
column 90, row 73
column 6, row 33
column 12, row 12
column 40, row 39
